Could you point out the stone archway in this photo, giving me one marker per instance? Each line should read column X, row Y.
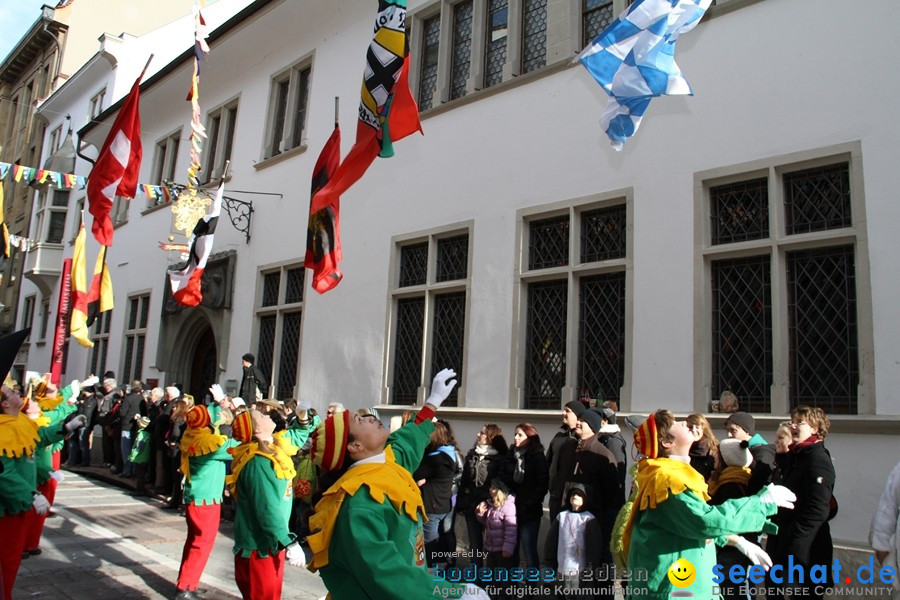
column 204, row 369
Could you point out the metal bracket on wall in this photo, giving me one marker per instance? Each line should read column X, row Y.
column 240, row 212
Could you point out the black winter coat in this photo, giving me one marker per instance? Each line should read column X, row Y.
column 561, row 465
column 804, row 531
column 478, row 471
column 595, row 468
column 437, row 469
column 527, row 476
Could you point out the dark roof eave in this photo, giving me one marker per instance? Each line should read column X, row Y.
column 177, row 62
column 32, row 41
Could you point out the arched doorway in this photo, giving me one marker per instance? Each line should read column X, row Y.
column 204, row 369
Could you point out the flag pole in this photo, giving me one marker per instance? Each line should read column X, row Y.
column 225, row 171
column 147, row 64
column 337, row 104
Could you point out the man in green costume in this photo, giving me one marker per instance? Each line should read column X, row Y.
column 671, row 520
column 368, row 540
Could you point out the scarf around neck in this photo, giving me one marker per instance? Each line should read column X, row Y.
column 657, row 480
column 198, row 441
column 733, row 474
column 385, row 481
column 243, row 454
column 18, row 436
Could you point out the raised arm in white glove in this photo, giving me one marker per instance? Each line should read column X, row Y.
column 57, row 476
column 217, row 392
column 77, row 386
column 441, row 386
column 779, row 496
column 75, row 423
column 295, row 555
column 40, row 503
column 473, row 592
column 756, row 554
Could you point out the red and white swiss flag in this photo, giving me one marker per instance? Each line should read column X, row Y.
column 116, row 171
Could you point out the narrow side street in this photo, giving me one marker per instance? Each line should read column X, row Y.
column 102, row 543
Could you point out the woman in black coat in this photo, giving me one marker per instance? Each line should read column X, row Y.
column 435, row 480
column 527, row 474
column 483, row 463
column 807, row 470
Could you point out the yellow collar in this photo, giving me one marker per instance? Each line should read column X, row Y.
column 198, row 441
column 49, row 402
column 739, row 475
column 658, row 479
column 281, row 462
column 18, row 436
column 386, row 480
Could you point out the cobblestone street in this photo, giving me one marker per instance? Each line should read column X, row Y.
column 102, row 543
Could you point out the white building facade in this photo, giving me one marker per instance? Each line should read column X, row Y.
column 742, row 239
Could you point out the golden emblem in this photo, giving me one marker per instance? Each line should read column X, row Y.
column 188, row 209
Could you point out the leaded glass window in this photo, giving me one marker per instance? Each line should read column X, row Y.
column 413, row 264
column 408, row 350
column 439, row 267
column 271, row 282
column 453, row 258
column 823, row 328
column 595, row 17
column 431, row 36
column 742, row 331
column 294, row 291
column 545, row 344
column 549, row 243
column 534, row 39
column 280, row 319
column 601, row 339
column 497, row 36
column 603, row 234
column 740, row 211
column 449, row 335
column 462, row 49
column 817, row 199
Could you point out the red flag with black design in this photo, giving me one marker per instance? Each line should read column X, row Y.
column 323, row 235
column 387, row 109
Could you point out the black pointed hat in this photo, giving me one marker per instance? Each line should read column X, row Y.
column 9, row 348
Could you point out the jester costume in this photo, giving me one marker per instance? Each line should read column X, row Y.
column 203, row 458
column 369, row 541
column 261, row 481
column 670, row 519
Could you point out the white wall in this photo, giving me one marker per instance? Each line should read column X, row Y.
column 767, row 81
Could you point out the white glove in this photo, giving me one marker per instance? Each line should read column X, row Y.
column 756, row 554
column 441, row 386
column 217, row 392
column 473, row 592
column 779, row 496
column 92, row 380
column 295, row 555
column 75, row 423
column 41, row 504
column 57, row 476
column 32, row 377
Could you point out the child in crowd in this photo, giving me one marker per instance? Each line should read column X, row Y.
column 573, row 543
column 140, row 456
column 498, row 515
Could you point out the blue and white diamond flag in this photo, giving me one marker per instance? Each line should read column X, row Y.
column 634, row 60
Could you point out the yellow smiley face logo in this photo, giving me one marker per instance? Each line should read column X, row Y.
column 682, row 573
